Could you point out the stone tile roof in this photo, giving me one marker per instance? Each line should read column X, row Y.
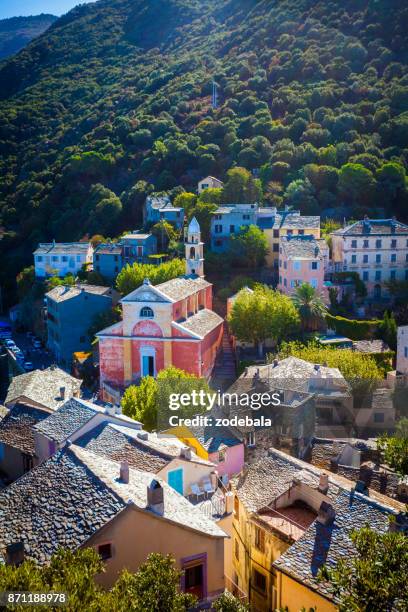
column 74, row 414
column 212, row 437
column 177, row 509
column 136, row 236
column 158, row 202
column 16, row 428
column 72, row 495
column 371, row 346
column 54, row 248
column 302, row 247
column 69, row 418
column 59, row 503
column 202, row 323
column 62, row 293
column 43, row 387
column 108, row 248
column 118, row 444
column 296, row 374
column 266, row 480
column 182, row 287
column 376, row 227
column 296, row 221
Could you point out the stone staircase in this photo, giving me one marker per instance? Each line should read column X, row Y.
column 224, row 372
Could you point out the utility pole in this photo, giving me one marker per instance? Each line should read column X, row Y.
column 214, row 100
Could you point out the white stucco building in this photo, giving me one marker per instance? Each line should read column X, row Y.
column 375, row 248
column 61, row 258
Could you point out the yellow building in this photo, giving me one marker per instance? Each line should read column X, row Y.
column 291, row 518
column 286, row 223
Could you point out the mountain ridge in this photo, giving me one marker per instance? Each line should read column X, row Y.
column 115, row 97
column 17, row 32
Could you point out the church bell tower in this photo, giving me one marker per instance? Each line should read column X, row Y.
column 194, row 250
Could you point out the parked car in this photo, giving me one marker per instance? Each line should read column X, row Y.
column 18, row 353
column 10, row 344
column 28, row 366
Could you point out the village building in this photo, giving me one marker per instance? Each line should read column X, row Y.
column 215, row 443
column 168, row 324
column 166, row 456
column 77, row 499
column 160, row 208
column 229, row 220
column 209, row 182
column 377, row 249
column 359, row 461
column 291, row 518
column 284, row 419
column 71, row 311
column 137, row 247
column 61, row 258
column 73, row 419
column 303, row 259
column 45, row 389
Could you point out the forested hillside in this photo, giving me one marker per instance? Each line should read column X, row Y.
column 115, row 98
column 16, row 33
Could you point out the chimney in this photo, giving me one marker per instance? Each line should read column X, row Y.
column 124, row 472
column 275, row 363
column 323, row 483
column 15, row 553
column 142, row 435
column 316, row 367
column 214, row 479
column 326, row 514
column 76, row 393
column 110, row 409
column 155, row 497
column 185, row 453
column 62, row 393
column 118, row 409
column 229, row 502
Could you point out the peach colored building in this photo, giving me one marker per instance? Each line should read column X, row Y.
column 76, row 499
column 302, row 259
column 171, row 324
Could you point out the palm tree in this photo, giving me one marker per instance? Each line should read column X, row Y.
column 310, row 306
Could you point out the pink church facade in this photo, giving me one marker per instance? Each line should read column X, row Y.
column 171, row 324
column 303, row 259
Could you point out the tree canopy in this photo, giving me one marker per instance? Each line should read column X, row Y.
column 262, row 314
column 132, row 276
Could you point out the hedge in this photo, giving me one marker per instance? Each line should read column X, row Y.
column 353, row 328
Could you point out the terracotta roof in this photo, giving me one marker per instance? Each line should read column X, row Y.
column 201, row 323
column 62, row 293
column 43, row 387
column 16, row 429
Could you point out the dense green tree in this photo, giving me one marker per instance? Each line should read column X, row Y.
column 185, row 200
column 132, row 276
column 394, row 448
column 263, row 314
column 240, row 187
column 356, row 183
column 249, row 246
column 374, row 577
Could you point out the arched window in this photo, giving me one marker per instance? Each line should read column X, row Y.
column 147, row 313
column 192, row 253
